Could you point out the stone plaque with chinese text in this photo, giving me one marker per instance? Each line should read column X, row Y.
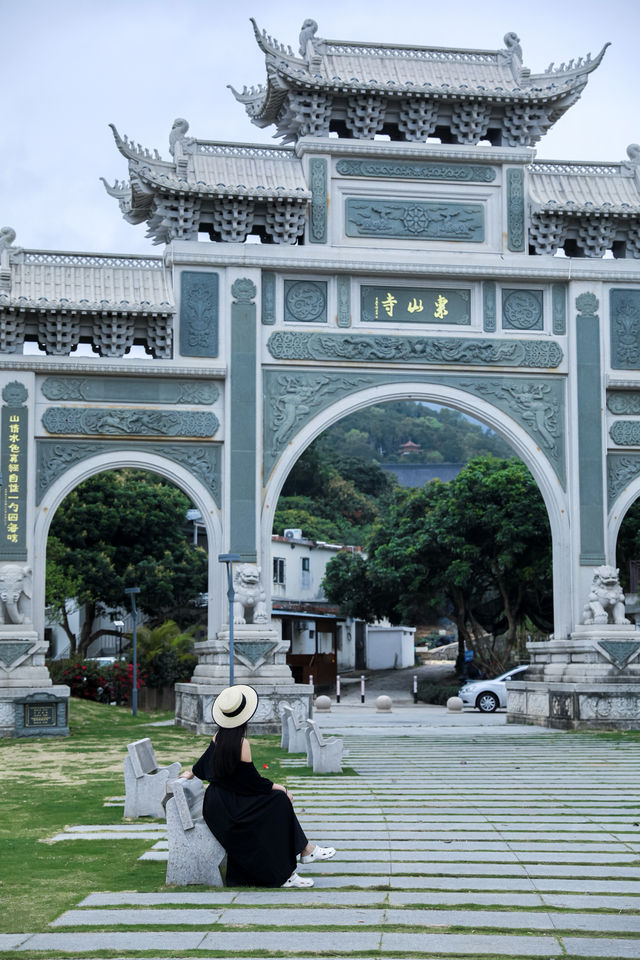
column 415, row 305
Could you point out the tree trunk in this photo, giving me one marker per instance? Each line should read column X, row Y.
column 86, row 635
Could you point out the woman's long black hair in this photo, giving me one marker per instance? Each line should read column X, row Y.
column 226, row 755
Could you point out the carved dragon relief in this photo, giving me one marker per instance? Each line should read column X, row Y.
column 536, row 403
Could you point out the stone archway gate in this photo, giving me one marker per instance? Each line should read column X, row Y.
column 335, row 273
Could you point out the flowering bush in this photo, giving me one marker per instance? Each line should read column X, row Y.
column 89, row 680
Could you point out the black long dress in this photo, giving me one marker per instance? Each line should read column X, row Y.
column 254, row 823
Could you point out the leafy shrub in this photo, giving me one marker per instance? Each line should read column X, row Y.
column 89, row 680
column 430, row 692
column 166, row 654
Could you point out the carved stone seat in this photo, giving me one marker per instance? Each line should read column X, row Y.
column 325, row 754
column 195, row 855
column 296, row 732
column 144, row 782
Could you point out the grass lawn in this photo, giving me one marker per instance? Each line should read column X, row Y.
column 50, row 782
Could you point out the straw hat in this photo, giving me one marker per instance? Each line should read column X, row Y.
column 234, row 706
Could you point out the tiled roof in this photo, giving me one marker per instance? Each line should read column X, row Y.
column 589, row 187
column 42, row 280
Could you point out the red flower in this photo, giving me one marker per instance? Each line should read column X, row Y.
column 265, row 766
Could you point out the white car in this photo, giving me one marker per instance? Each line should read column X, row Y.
column 488, row 695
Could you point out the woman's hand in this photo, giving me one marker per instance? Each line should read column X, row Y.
column 290, row 795
column 186, row 775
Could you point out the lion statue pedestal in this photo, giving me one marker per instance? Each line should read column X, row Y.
column 259, row 660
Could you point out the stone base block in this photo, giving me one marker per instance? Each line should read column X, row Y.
column 194, row 701
column 575, row 706
column 30, row 712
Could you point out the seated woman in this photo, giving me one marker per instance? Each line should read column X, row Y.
column 251, row 816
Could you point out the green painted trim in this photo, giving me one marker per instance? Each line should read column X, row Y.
column 559, row 309
column 489, row 311
column 55, row 457
column 592, row 546
column 14, row 465
column 417, row 170
column 343, row 317
column 268, row 298
column 515, row 210
column 318, row 210
column 243, row 431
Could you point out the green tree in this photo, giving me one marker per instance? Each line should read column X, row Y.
column 119, row 529
column 478, row 548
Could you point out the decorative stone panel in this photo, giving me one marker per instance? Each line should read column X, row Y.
column 55, row 457
column 622, row 469
column 297, row 345
column 441, row 305
column 129, row 422
column 395, row 169
column 626, row 433
column 199, row 314
column 343, row 287
column 318, row 212
column 305, row 301
column 515, row 210
column 624, row 311
column 559, row 309
column 522, row 310
column 129, row 390
column 414, row 220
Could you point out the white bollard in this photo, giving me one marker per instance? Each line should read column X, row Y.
column 322, row 704
column 454, row 704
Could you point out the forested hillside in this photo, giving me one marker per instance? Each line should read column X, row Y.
column 337, row 490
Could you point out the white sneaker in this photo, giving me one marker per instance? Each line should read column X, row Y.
column 295, row 880
column 319, row 853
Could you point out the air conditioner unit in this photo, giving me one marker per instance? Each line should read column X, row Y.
column 293, row 533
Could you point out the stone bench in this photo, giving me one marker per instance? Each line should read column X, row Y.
column 295, row 736
column 195, row 855
column 144, row 782
column 324, row 755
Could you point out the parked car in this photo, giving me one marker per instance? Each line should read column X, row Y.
column 488, row 695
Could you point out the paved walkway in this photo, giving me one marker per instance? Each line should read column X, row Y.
column 458, row 839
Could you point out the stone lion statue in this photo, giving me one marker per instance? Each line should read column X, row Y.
column 605, row 603
column 249, row 603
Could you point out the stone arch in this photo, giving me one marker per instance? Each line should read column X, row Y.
column 555, row 498
column 617, row 513
column 139, row 460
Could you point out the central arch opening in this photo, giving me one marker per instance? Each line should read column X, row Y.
column 356, row 496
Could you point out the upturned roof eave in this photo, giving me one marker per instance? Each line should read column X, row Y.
column 175, row 185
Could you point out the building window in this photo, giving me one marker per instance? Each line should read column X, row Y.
column 305, row 564
column 305, row 573
column 278, row 570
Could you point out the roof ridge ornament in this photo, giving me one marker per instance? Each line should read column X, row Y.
column 7, row 236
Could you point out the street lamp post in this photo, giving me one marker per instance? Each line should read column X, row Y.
column 229, row 559
column 134, row 615
column 119, row 625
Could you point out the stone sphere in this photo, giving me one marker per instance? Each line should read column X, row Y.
column 322, row 703
column 383, row 704
column 454, row 704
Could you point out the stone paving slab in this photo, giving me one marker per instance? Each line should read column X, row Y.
column 264, row 940
column 288, row 918
column 11, row 941
column 132, row 940
column 133, row 898
column 592, row 902
column 473, row 946
column 588, row 947
column 108, row 918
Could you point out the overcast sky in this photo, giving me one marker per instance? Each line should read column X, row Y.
column 71, row 67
